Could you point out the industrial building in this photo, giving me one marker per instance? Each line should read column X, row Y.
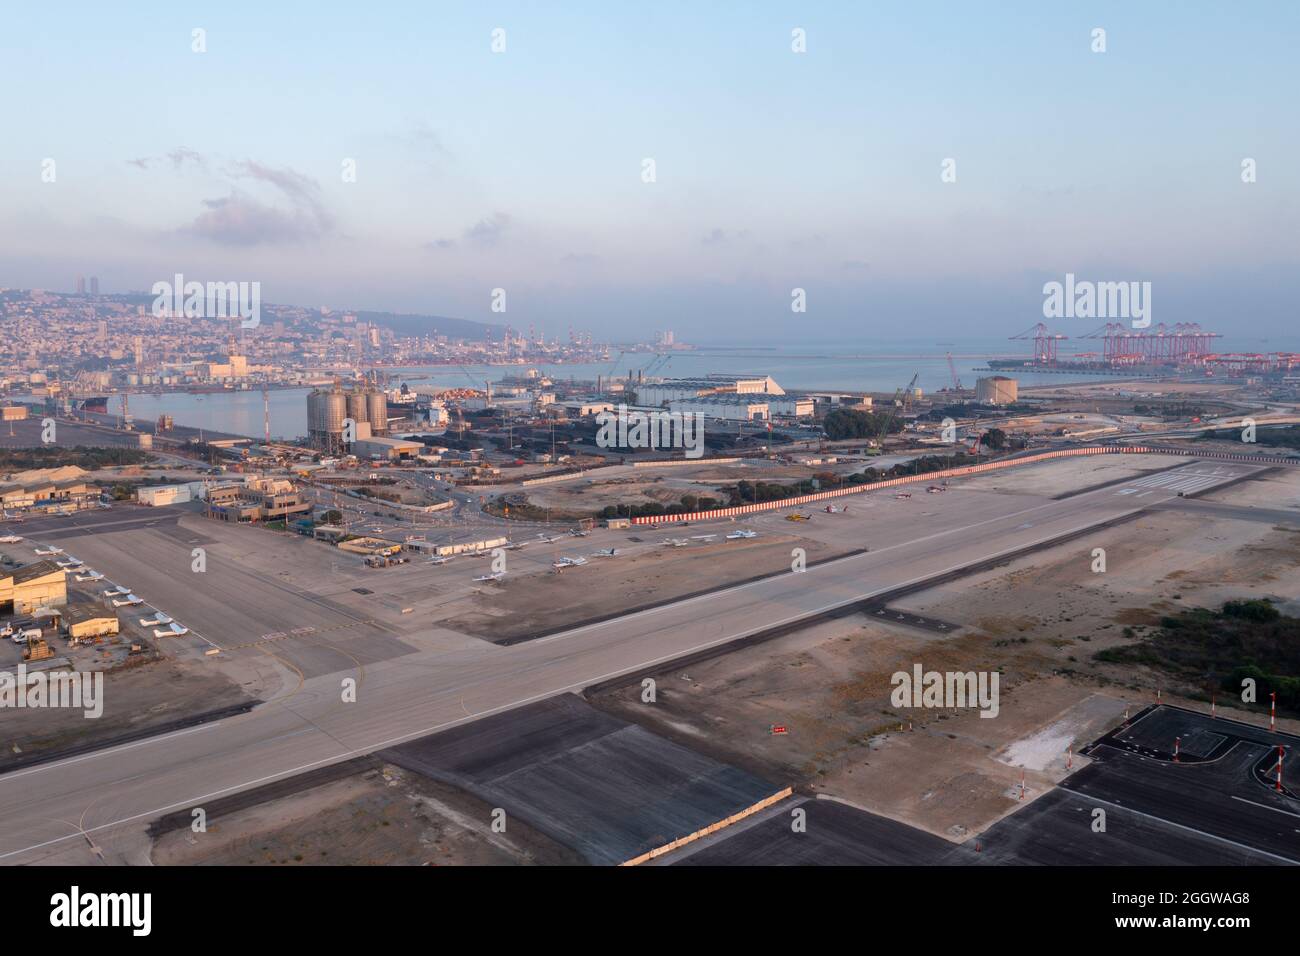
column 681, row 389
column 45, row 486
column 996, row 390
column 32, row 586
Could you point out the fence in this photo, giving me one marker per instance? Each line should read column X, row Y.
column 953, row 473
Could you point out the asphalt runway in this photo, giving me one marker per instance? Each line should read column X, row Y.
column 114, row 793
column 605, row 788
column 1057, row 829
column 834, row 834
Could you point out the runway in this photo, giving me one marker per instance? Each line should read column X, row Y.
column 57, row 810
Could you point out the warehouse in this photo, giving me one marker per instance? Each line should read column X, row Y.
column 726, row 407
column 87, row 621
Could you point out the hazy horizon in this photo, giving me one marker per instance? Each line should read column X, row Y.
column 775, row 170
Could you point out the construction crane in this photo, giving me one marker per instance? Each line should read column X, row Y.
column 952, row 368
column 900, row 397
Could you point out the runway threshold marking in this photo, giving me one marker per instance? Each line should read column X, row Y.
column 301, row 634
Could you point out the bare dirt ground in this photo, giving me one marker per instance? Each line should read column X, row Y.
column 377, row 818
column 1037, row 621
column 528, row 604
column 135, row 698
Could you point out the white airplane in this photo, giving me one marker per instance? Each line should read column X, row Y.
column 606, row 553
column 10, row 539
column 156, row 620
column 113, row 592
column 565, row 562
column 70, row 563
column 491, row 577
column 89, row 576
column 517, row 547
column 579, row 534
column 675, row 542
column 173, row 630
column 742, row 534
column 49, row 551
column 127, row 601
column 703, row 537
column 442, row 560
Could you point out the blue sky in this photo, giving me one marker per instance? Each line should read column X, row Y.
column 522, row 170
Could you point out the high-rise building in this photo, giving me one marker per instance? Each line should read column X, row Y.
column 81, row 285
column 94, row 285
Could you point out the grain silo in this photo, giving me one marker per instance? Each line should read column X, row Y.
column 377, row 411
column 325, row 413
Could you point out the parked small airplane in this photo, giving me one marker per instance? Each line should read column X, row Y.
column 172, row 630
column 442, row 560
column 703, row 537
column 113, row 592
column 605, row 553
column 127, row 601
column 675, row 542
column 49, row 551
column 89, row 576
column 491, row 577
column 579, row 533
column 10, row 539
column 742, row 534
column 70, row 563
column 903, row 494
column 935, row 489
column 155, row 621
column 569, row 562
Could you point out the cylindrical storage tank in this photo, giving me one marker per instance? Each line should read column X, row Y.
column 325, row 414
column 377, row 412
column 357, row 410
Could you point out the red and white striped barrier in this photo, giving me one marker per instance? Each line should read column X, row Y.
column 952, row 473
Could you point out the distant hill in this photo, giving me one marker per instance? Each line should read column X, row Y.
column 405, row 324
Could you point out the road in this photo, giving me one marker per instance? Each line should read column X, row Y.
column 59, row 810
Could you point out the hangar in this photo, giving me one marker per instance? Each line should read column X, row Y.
column 32, row 586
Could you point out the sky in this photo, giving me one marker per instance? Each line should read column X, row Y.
column 774, row 170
